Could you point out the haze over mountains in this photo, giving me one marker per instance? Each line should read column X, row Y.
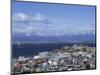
column 43, row 30
column 88, row 38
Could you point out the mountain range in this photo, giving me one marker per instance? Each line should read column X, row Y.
column 88, row 38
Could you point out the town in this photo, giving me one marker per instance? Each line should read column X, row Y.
column 68, row 58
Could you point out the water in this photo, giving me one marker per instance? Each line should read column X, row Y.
column 34, row 49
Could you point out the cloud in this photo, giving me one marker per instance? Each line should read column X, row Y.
column 24, row 17
column 20, row 17
column 41, row 25
column 39, row 17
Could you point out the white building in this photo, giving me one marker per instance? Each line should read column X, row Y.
column 43, row 54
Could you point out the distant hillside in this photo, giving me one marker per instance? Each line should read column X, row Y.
column 88, row 38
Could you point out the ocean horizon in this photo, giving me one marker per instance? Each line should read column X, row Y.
column 31, row 49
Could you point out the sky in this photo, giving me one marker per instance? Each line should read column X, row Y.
column 45, row 19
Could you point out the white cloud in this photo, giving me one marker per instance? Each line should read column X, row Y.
column 24, row 17
column 35, row 26
column 39, row 17
column 20, row 17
